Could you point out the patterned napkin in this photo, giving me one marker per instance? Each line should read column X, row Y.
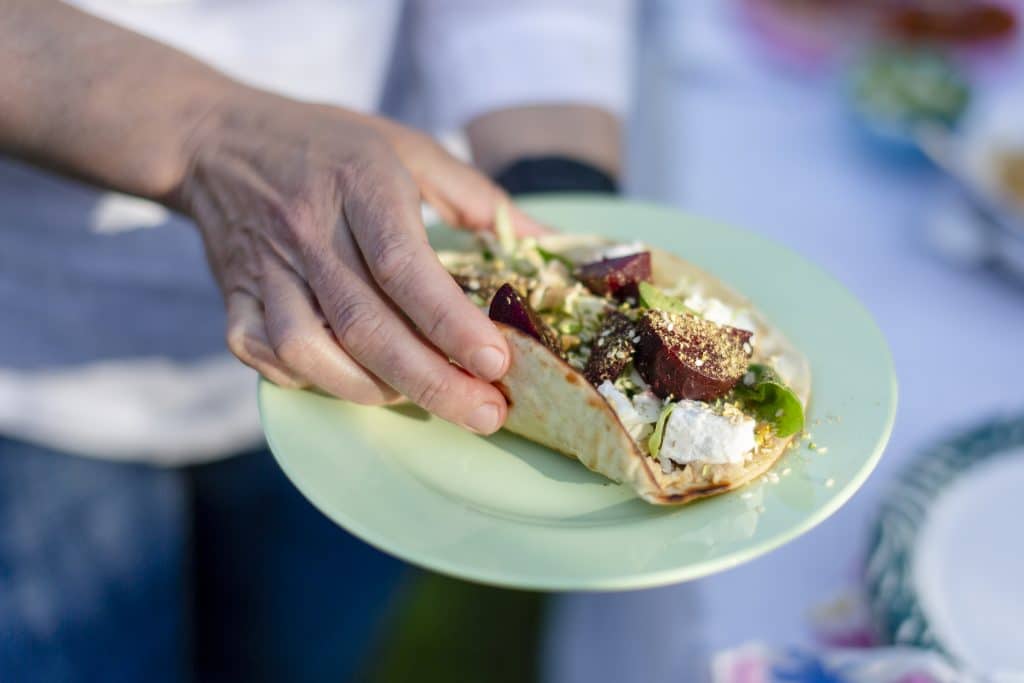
column 758, row 663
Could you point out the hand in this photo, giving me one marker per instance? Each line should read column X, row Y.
column 311, row 219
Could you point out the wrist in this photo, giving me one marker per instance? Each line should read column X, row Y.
column 203, row 120
column 551, row 173
column 147, row 149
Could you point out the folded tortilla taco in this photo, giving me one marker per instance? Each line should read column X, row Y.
column 640, row 365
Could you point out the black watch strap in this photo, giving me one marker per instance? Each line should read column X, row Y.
column 554, row 174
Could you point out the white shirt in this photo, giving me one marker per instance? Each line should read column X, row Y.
column 458, row 58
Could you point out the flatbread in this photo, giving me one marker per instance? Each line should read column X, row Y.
column 552, row 403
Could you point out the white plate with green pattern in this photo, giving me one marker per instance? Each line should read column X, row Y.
column 946, row 560
column 505, row 511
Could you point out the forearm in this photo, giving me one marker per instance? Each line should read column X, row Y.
column 86, row 98
column 583, row 133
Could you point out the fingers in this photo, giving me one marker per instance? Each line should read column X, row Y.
column 247, row 339
column 464, row 197
column 302, row 340
column 382, row 341
column 386, row 226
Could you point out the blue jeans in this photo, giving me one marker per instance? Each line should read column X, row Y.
column 219, row 572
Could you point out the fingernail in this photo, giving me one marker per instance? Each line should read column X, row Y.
column 484, row 418
column 488, row 363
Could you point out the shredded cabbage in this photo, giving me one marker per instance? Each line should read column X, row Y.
column 504, row 228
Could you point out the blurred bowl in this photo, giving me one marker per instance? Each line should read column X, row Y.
column 892, row 91
column 985, row 162
column 990, row 138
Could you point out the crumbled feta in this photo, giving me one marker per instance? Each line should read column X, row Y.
column 711, row 308
column 744, row 320
column 579, row 302
column 720, row 313
column 638, row 425
column 694, row 433
column 681, row 289
column 695, row 302
column 620, row 250
column 637, row 380
column 619, row 402
column 648, row 406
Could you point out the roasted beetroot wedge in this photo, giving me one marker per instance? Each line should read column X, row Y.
column 684, row 356
column 510, row 308
column 617, row 277
column 612, row 350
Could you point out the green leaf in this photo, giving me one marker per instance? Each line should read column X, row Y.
column 763, row 393
column 570, row 326
column 550, row 256
column 654, row 442
column 654, row 298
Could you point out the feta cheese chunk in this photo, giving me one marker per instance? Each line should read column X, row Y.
column 711, row 308
column 694, row 433
column 648, row 406
column 720, row 313
column 579, row 302
column 637, row 423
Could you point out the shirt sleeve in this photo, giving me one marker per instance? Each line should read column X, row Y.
column 477, row 56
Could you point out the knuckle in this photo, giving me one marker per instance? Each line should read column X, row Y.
column 394, row 261
column 359, row 327
column 431, row 394
column 295, row 349
column 351, row 172
column 238, row 343
column 366, row 171
column 441, row 319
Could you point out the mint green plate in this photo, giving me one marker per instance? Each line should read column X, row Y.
column 504, row 511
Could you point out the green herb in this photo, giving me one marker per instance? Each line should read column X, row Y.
column 654, row 443
column 550, row 256
column 762, row 392
column 654, row 298
column 570, row 326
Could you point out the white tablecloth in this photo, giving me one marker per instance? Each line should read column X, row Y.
column 729, row 134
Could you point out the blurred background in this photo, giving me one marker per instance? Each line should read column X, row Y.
column 884, row 141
